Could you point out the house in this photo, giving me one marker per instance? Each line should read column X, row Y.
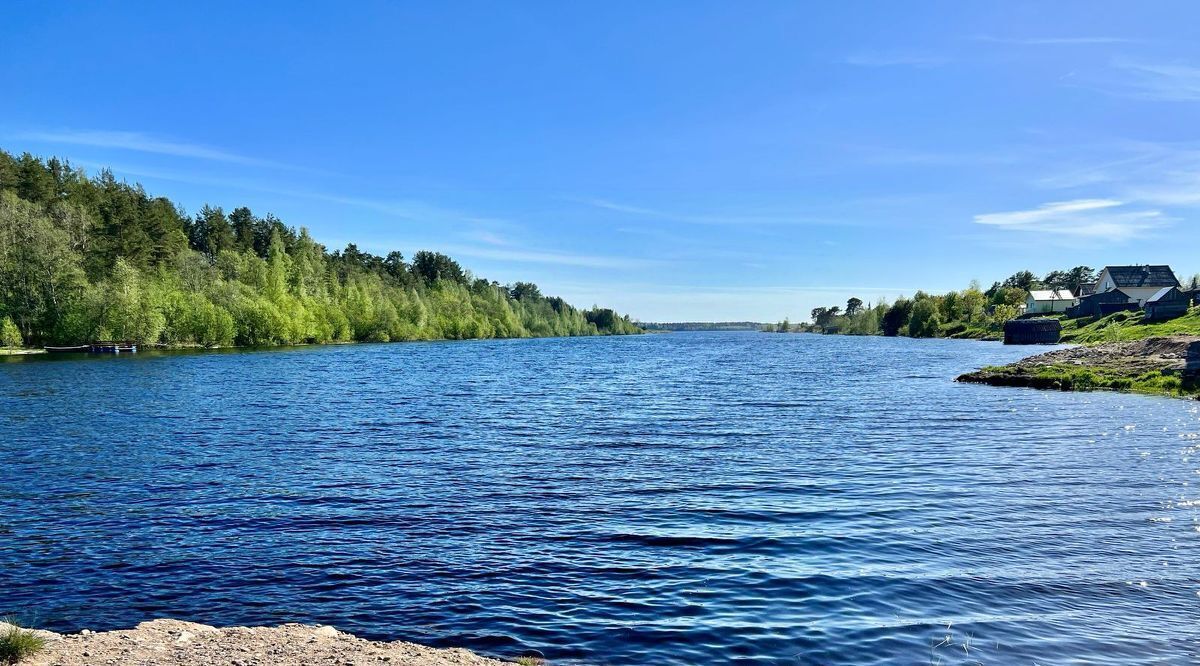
column 1140, row 283
column 1102, row 304
column 1167, row 303
column 1086, row 289
column 1045, row 301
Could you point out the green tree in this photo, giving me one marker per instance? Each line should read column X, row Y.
column 897, row 316
column 853, row 306
column 1071, row 280
column 433, row 266
column 1023, row 280
column 39, row 273
column 10, row 336
column 925, row 318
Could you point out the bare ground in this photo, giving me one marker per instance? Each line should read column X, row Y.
column 1117, row 365
column 1135, row 356
column 176, row 643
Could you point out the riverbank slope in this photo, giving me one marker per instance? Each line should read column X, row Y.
column 1156, row 365
column 176, row 643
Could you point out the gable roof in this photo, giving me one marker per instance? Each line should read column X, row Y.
column 1047, row 295
column 1167, row 294
column 1113, row 296
column 1088, row 288
column 1142, row 276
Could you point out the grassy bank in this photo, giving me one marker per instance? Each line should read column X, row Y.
column 1125, row 326
column 1154, row 366
column 1063, row 377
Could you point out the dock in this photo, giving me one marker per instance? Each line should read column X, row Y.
column 97, row 347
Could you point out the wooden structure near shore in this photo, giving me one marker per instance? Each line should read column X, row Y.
column 1032, row 331
column 97, row 347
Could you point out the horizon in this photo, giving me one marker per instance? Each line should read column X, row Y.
column 676, row 164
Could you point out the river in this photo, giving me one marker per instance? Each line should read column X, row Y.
column 687, row 498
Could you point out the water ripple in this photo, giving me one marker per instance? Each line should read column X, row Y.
column 668, row 499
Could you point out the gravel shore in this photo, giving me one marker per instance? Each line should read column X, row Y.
column 1153, row 365
column 176, row 643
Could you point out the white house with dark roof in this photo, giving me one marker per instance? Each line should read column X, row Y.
column 1048, row 300
column 1140, row 283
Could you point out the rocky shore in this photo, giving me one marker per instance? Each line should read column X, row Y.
column 176, row 643
column 1163, row 366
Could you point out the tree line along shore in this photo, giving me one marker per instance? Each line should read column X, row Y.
column 1125, row 350
column 95, row 258
column 976, row 313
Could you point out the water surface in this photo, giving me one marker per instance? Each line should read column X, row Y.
column 690, row 498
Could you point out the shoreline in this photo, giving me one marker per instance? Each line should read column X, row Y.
column 1164, row 366
column 32, row 351
column 180, row 643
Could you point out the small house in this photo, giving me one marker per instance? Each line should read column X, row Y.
column 1102, row 304
column 1140, row 283
column 1167, row 303
column 1048, row 301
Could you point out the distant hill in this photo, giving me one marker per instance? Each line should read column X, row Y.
column 702, row 326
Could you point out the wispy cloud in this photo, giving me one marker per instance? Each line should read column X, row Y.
column 1169, row 82
column 716, row 220
column 1148, row 173
column 1097, row 219
column 533, row 256
column 487, row 238
column 1054, row 41
column 144, row 143
column 407, row 209
column 879, row 59
column 886, row 156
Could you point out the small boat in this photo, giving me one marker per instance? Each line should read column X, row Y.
column 76, row 349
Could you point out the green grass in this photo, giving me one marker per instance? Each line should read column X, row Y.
column 17, row 643
column 531, row 661
column 1064, row 377
column 1123, row 326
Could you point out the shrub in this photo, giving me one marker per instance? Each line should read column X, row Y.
column 17, row 643
column 9, row 335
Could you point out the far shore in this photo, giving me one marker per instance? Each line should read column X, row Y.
column 29, row 351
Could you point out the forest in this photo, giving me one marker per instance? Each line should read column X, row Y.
column 95, row 258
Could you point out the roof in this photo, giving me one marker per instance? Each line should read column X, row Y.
column 1161, row 295
column 1088, row 288
column 1142, row 276
column 1114, row 296
column 1047, row 295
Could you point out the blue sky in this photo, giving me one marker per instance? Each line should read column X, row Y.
column 675, row 160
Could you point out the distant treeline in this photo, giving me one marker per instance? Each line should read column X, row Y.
column 96, row 258
column 702, row 326
column 970, row 313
